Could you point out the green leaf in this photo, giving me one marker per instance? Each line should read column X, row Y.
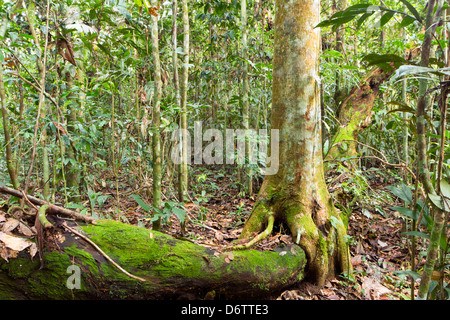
column 386, row 18
column 375, row 59
column 408, row 110
column 406, row 212
column 416, row 234
column 346, row 15
column 180, row 213
column 445, row 188
column 390, row 124
column 410, row 273
column 332, row 53
column 417, row 70
column 437, row 201
column 403, row 193
column 180, row 51
column 407, row 20
column 412, row 9
column 362, row 19
column 101, row 200
column 140, row 202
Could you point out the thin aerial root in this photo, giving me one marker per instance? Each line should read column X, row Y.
column 259, row 237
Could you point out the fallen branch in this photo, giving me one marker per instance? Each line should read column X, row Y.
column 53, row 209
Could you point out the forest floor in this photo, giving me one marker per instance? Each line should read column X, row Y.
column 379, row 252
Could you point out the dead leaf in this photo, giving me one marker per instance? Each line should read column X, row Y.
column 219, row 236
column 373, row 289
column 33, row 250
column 65, row 49
column 286, row 239
column 153, row 10
column 382, row 244
column 227, row 260
column 25, row 230
column 15, row 243
column 293, row 251
column 10, row 225
column 230, row 256
column 4, row 252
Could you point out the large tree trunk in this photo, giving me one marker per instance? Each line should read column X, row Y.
column 297, row 193
column 171, row 268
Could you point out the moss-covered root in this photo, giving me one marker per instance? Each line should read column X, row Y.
column 42, row 217
column 324, row 244
column 256, row 223
column 259, row 237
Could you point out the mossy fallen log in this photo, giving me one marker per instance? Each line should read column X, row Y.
column 171, row 268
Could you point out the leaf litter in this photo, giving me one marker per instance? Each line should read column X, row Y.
column 378, row 250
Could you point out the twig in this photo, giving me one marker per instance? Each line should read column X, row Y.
column 101, row 252
column 27, row 200
column 397, row 165
column 367, row 146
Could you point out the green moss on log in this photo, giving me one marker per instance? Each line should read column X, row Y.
column 171, row 268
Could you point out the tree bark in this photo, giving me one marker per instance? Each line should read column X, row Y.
column 171, row 268
column 439, row 215
column 245, row 107
column 13, row 175
column 183, row 183
column 156, row 117
column 297, row 193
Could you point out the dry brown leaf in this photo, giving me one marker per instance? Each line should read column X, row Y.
column 4, row 252
column 230, row 256
column 219, row 236
column 10, row 225
column 33, row 250
column 65, row 50
column 15, row 243
column 153, row 10
column 25, row 230
column 293, row 251
column 286, row 239
column 373, row 289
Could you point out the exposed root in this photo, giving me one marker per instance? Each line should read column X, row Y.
column 259, row 237
column 42, row 218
